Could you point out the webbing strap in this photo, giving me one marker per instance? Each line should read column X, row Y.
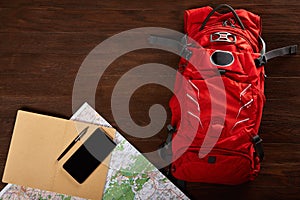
column 171, row 131
column 165, row 152
column 180, row 46
column 257, row 141
column 164, row 41
column 288, row 50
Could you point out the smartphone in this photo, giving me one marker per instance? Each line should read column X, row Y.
column 89, row 156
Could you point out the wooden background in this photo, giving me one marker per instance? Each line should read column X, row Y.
column 43, row 43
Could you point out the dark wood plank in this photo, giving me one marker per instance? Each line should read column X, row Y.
column 247, row 192
column 45, row 20
column 140, row 5
column 50, row 20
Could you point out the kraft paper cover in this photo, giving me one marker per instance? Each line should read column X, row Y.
column 37, row 142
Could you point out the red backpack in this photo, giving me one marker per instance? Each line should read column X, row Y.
column 235, row 48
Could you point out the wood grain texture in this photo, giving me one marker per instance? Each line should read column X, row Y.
column 43, row 43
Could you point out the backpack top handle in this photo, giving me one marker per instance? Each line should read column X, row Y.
column 217, row 8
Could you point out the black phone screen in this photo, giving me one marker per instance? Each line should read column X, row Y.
column 89, row 156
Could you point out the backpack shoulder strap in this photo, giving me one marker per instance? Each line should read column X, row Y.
column 287, row 50
column 179, row 45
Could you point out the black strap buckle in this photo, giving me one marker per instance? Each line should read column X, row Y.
column 222, row 71
column 171, row 130
column 257, row 141
column 293, row 49
column 260, row 61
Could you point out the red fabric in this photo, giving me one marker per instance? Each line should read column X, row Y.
column 235, row 158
